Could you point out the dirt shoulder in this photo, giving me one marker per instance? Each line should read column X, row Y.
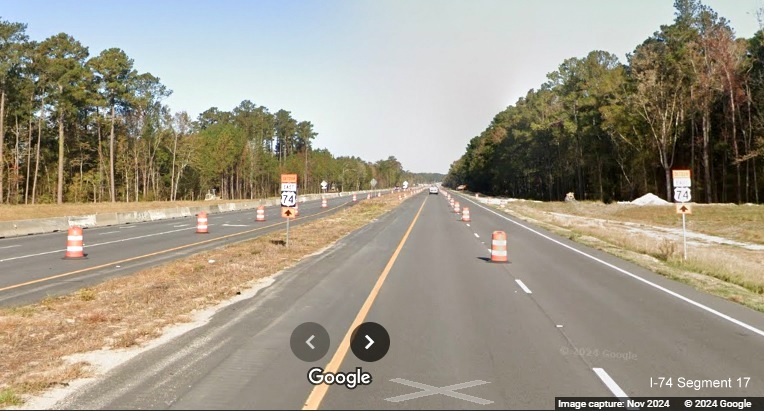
column 45, row 346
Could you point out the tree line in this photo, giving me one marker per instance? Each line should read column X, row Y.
column 81, row 128
column 689, row 97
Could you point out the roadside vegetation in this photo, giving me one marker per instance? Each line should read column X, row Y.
column 690, row 96
column 638, row 234
column 126, row 312
column 76, row 128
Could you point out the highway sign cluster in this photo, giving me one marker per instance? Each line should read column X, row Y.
column 682, row 192
column 288, row 195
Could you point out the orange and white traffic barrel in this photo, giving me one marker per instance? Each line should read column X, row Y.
column 379, row 194
column 499, row 247
column 201, row 223
column 323, row 203
column 400, row 198
column 457, row 210
column 74, row 244
column 354, row 198
column 368, row 196
column 260, row 213
column 466, row 214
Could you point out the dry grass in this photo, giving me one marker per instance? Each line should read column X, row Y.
column 741, row 223
column 31, row 211
column 731, row 272
column 129, row 311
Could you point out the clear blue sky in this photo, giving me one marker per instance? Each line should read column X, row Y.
column 411, row 78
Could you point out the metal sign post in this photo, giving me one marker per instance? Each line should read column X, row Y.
column 287, row 232
column 682, row 195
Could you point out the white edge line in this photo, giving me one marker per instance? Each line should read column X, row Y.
column 636, row 277
column 10, row 246
column 524, row 287
column 610, row 383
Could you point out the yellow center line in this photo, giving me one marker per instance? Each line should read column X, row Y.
column 319, row 391
column 70, row 273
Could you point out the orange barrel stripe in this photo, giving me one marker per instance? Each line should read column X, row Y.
column 260, row 213
column 323, row 203
column 74, row 244
column 354, row 198
column 466, row 214
column 499, row 246
column 201, row 223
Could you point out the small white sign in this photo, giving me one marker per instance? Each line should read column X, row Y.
column 682, row 182
column 682, row 194
column 288, row 198
column 324, row 184
column 405, row 184
column 288, row 186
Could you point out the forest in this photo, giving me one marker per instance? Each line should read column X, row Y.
column 691, row 96
column 80, row 128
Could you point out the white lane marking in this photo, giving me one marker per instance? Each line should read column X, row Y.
column 180, row 225
column 93, row 245
column 468, row 224
column 610, row 383
column 10, row 246
column 524, row 287
column 127, row 226
column 108, row 232
column 476, row 235
column 235, row 225
column 632, row 275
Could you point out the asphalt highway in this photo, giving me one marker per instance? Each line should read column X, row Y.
column 559, row 319
column 33, row 267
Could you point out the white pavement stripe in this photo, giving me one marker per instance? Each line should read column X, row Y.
column 127, row 226
column 108, row 232
column 468, row 224
column 476, row 235
column 610, row 383
column 526, row 289
column 10, row 246
column 93, row 245
column 632, row 275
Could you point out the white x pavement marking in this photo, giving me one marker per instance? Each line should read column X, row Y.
column 428, row 390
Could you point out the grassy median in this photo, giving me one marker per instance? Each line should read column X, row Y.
column 641, row 234
column 36, row 339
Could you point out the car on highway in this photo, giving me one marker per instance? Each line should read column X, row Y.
column 433, row 190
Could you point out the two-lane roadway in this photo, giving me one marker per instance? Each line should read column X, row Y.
column 32, row 267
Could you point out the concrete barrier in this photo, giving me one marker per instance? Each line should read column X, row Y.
column 50, row 225
column 84, row 221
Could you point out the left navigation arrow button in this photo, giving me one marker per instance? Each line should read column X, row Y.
column 309, row 342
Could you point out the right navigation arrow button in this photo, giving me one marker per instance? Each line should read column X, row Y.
column 370, row 342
